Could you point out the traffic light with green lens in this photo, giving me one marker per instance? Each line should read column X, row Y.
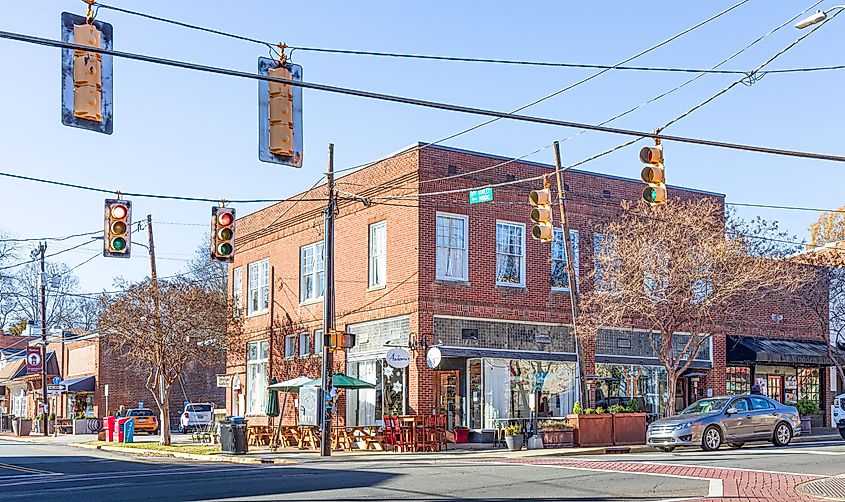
column 654, row 174
column 223, row 234
column 541, row 214
column 117, row 235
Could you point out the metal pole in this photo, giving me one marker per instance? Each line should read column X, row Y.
column 573, row 282
column 328, row 311
column 42, row 248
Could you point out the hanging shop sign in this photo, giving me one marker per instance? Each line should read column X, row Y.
column 398, row 357
column 433, row 357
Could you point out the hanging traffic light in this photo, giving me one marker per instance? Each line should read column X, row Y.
column 223, row 234
column 281, row 113
column 654, row 174
column 541, row 214
column 87, row 74
column 117, row 239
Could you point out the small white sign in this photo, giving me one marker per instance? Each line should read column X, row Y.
column 433, row 357
column 398, row 358
column 223, row 380
column 106, row 390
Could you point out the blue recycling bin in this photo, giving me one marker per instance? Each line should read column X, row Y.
column 129, row 431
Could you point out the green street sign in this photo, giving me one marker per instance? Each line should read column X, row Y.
column 483, row 195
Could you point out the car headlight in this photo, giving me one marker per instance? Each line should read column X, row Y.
column 685, row 425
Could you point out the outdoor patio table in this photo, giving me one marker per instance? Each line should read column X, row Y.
column 369, row 435
column 310, row 436
column 289, row 435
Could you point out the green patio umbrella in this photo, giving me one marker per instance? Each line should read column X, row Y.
column 291, row 385
column 272, row 407
column 341, row 381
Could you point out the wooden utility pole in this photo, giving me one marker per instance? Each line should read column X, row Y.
column 42, row 279
column 328, row 312
column 584, row 393
column 164, row 397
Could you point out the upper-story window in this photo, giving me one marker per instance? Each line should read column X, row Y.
column 378, row 254
column 510, row 254
column 452, row 247
column 560, row 279
column 312, row 270
column 290, row 345
column 258, row 278
column 304, row 343
column 237, row 291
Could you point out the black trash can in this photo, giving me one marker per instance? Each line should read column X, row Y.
column 233, row 438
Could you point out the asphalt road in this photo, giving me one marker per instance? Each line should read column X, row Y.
column 54, row 472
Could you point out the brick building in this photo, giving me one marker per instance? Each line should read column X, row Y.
column 464, row 284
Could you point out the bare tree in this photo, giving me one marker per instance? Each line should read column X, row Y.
column 212, row 274
column 673, row 270
column 8, row 299
column 62, row 306
column 165, row 327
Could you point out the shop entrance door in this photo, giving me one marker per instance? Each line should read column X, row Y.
column 774, row 387
column 448, row 397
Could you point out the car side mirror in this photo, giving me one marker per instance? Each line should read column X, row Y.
column 732, row 411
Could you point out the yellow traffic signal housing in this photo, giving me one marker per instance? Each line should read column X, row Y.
column 281, row 113
column 654, row 174
column 223, row 234
column 541, row 215
column 87, row 74
column 117, row 236
column 339, row 340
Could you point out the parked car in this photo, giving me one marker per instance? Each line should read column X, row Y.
column 734, row 420
column 145, row 420
column 195, row 416
column 839, row 414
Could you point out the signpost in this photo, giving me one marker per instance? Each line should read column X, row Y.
column 55, row 390
column 483, row 195
column 34, row 361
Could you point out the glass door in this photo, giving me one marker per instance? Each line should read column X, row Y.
column 449, row 398
column 775, row 387
column 474, row 393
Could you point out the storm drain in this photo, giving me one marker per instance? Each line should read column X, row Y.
column 829, row 488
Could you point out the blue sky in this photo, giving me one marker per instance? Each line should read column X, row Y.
column 188, row 133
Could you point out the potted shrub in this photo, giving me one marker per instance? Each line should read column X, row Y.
column 629, row 424
column 22, row 426
column 458, row 434
column 806, row 407
column 556, row 434
column 592, row 427
column 513, row 437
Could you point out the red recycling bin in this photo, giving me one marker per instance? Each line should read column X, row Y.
column 119, row 431
column 111, row 422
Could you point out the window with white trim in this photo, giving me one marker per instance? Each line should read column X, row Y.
column 237, row 291
column 318, row 342
column 256, row 376
column 451, row 235
column 290, row 345
column 378, row 254
column 312, row 270
column 304, row 343
column 560, row 279
column 510, row 254
column 258, row 279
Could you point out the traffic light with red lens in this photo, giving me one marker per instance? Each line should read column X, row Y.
column 223, row 234
column 117, row 235
column 654, row 174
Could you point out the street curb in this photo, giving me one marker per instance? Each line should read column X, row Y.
column 187, row 456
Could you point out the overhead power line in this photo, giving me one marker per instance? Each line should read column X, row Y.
column 7, row 267
column 408, row 101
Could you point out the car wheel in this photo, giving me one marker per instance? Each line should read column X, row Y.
column 666, row 449
column 782, row 435
column 842, row 433
column 736, row 445
column 711, row 439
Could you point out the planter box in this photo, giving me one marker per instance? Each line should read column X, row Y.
column 457, row 435
column 629, row 428
column 22, row 426
column 592, row 430
column 806, row 425
column 557, row 438
column 514, row 443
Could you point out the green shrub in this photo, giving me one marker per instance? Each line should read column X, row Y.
column 617, row 408
column 807, row 407
column 600, row 410
column 513, row 430
column 554, row 425
column 633, row 406
column 577, row 409
column 589, row 411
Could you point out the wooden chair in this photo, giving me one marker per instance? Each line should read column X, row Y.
column 440, row 432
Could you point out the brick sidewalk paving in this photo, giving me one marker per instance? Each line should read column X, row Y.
column 737, row 484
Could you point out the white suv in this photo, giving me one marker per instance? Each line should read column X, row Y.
column 839, row 414
column 195, row 416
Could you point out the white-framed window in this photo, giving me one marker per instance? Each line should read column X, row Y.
column 510, row 254
column 237, row 291
column 318, row 342
column 258, row 353
column 312, row 272
column 560, row 279
column 378, row 254
column 451, row 235
column 304, row 343
column 258, row 279
column 290, row 345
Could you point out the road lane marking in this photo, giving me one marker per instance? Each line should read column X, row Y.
column 21, row 468
column 121, row 475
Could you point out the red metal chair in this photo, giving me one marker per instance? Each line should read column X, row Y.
column 389, row 433
column 440, row 431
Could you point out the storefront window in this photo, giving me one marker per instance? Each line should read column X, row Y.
column 256, row 376
column 621, row 383
column 738, row 380
column 368, row 406
column 808, row 384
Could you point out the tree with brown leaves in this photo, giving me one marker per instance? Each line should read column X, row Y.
column 164, row 327
column 830, row 227
column 673, row 270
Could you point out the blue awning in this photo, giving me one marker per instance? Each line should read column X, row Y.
column 80, row 384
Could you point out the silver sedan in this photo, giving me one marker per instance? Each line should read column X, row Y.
column 734, row 420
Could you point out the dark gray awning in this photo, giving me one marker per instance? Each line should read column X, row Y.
column 533, row 355
column 746, row 350
column 80, row 384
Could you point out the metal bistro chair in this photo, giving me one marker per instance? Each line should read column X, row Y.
column 390, row 435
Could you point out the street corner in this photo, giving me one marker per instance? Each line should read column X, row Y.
column 831, row 488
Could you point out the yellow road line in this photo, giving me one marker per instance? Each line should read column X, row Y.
column 19, row 468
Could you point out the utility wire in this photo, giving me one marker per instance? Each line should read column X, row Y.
column 405, row 100
column 66, row 237
column 45, row 256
